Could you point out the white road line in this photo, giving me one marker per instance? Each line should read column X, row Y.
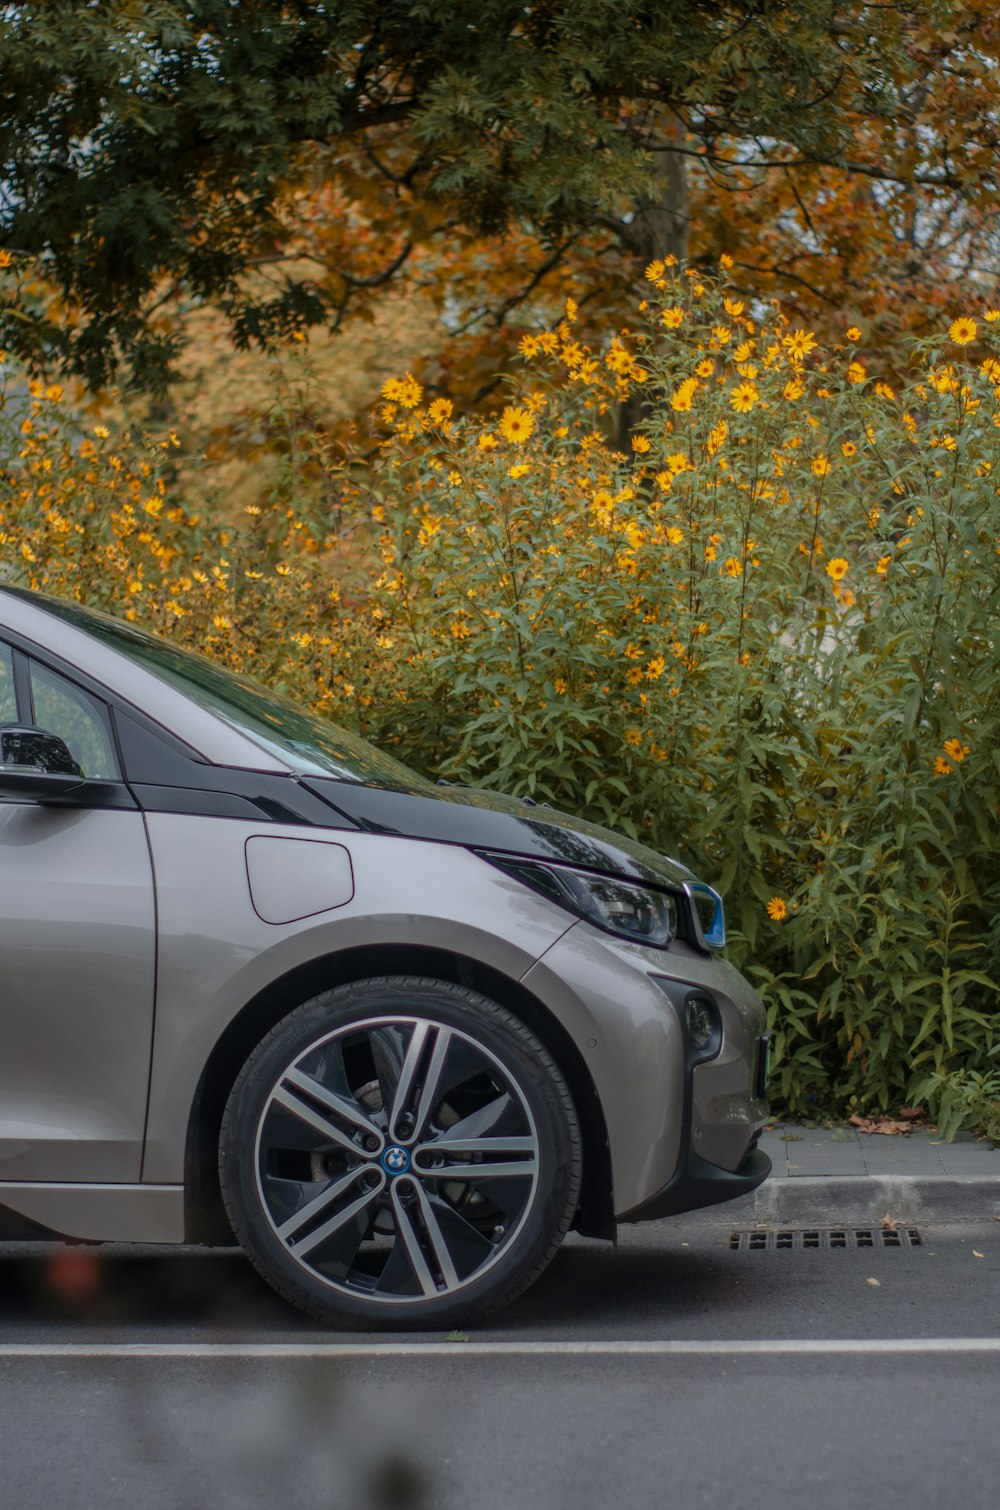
column 741, row 1347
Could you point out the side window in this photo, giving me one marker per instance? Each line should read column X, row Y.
column 64, row 709
column 8, row 702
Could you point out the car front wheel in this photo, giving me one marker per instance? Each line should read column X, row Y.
column 400, row 1152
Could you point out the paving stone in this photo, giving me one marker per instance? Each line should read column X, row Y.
column 823, row 1151
column 969, row 1157
column 908, row 1154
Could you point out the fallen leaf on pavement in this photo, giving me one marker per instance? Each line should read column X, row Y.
column 976, row 1253
column 891, row 1126
column 873, row 1282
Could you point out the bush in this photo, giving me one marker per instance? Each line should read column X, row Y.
column 765, row 638
column 762, row 635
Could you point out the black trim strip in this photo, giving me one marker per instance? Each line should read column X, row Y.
column 22, row 687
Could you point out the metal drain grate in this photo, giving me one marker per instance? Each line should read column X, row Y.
column 835, row 1237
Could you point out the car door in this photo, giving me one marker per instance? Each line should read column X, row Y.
column 77, row 951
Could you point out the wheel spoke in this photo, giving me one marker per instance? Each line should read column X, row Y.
column 333, row 1224
column 494, row 1168
column 407, row 1076
column 418, row 1229
column 407, row 1234
column 297, row 1091
column 327, row 1196
column 476, row 1174
column 419, row 1079
column 432, row 1080
column 436, row 1239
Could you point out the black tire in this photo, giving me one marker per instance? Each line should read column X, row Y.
column 415, row 1125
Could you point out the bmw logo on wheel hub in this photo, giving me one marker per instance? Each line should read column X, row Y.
column 395, row 1160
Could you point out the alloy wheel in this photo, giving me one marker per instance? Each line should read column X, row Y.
column 396, row 1159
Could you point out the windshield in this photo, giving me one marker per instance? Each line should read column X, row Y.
column 307, row 743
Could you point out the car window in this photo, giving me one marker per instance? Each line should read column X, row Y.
column 305, row 742
column 8, row 702
column 64, row 709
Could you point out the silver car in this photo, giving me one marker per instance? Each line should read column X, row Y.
column 259, row 979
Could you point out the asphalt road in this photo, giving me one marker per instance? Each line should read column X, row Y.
column 672, row 1371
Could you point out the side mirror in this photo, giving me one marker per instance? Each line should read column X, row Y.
column 35, row 765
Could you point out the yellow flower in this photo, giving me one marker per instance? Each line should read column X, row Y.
column 640, row 444
column 819, row 466
column 941, row 767
column 955, row 750
column 883, row 565
column 733, row 306
column 519, row 471
column 675, row 536
column 722, row 333
column 743, row 397
column 856, row 373
column 655, row 271
column 849, row 448
column 406, row 391
column 439, row 412
column 672, row 317
column 743, row 351
column 726, row 261
column 963, row 330
column 837, row 568
column 853, row 333
column 777, row 909
column 793, row 389
column 992, row 315
column 656, row 668
column 516, row 425
column 681, row 400
column 561, row 685
column 705, row 368
column 633, row 736
column 487, row 442
column 733, row 567
column 710, row 553
column 102, row 432
column 798, row 344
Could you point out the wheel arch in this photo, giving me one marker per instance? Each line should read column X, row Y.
column 205, row 1217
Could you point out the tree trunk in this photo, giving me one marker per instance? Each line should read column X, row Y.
column 660, row 229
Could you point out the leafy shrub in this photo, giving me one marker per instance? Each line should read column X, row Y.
column 765, row 638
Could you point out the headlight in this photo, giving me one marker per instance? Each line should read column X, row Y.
column 624, row 908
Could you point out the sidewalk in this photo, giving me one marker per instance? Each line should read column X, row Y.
column 829, row 1177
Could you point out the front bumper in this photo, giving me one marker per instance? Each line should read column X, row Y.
column 680, row 1126
column 695, row 1183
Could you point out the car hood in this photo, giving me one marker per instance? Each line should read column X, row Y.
column 491, row 821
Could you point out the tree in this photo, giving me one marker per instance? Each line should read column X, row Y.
column 285, row 160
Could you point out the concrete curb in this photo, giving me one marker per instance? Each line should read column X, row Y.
column 852, row 1201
